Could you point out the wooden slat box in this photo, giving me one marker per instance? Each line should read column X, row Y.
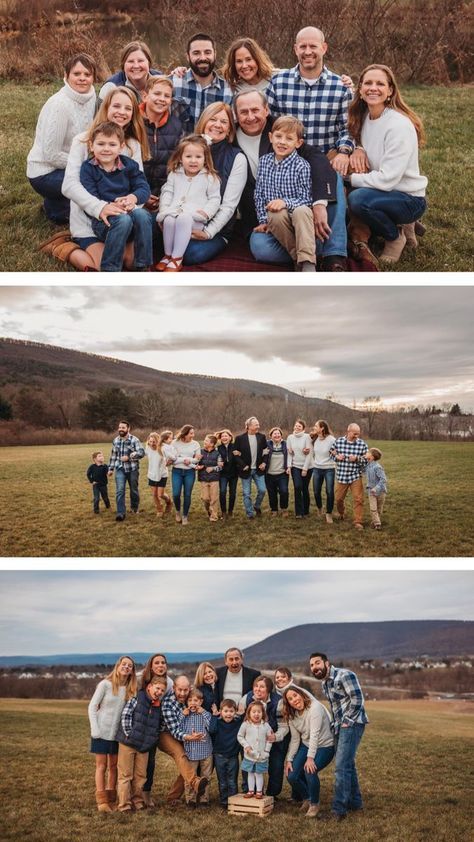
column 250, row 806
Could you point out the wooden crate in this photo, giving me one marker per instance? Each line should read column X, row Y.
column 250, row 806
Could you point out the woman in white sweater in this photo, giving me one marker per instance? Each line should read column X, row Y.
column 105, row 710
column 188, row 454
column 311, row 745
column 64, row 115
column 389, row 194
column 300, row 461
column 324, row 470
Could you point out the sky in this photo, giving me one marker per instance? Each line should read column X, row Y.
column 55, row 612
column 408, row 345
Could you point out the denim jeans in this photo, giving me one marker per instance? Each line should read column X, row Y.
column 301, row 486
column 227, row 771
column 99, row 491
column 277, row 486
column 224, row 484
column 347, row 794
column 182, row 478
column 321, row 475
column 137, row 226
column 276, row 766
column 307, row 783
column 247, row 491
column 383, row 210
column 266, row 249
column 56, row 206
column 121, row 479
column 200, row 251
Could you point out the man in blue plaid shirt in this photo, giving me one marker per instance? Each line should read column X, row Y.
column 172, row 738
column 200, row 86
column 343, row 692
column 316, row 96
column 348, row 452
column 126, row 451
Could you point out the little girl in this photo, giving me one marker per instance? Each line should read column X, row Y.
column 157, row 473
column 105, row 710
column 189, row 199
column 253, row 736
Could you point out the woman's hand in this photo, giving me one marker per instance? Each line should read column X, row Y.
column 262, row 228
column 347, row 81
column 310, row 766
column 179, row 71
column 288, row 768
column 197, row 234
column 340, row 163
column 111, row 209
column 358, row 161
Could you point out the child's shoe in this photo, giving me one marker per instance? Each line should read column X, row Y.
column 248, row 794
column 259, row 795
column 175, row 264
column 161, row 266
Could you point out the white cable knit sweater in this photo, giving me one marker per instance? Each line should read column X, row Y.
column 105, row 710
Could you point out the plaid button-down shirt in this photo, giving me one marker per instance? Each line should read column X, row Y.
column 322, row 107
column 199, row 723
column 128, row 446
column 345, row 697
column 289, row 179
column 197, row 97
column 346, row 471
column 172, row 716
column 127, row 715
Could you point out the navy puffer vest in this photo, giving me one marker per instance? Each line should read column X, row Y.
column 146, row 725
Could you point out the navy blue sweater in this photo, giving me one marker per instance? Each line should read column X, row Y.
column 97, row 473
column 224, row 736
column 210, row 696
column 109, row 186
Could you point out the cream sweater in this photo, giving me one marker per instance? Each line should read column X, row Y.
column 297, row 442
column 311, row 727
column 105, row 710
column 185, row 194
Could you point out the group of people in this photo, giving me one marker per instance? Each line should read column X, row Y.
column 267, row 462
column 158, row 175
column 231, row 715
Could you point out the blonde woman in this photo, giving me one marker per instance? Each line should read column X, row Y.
column 105, row 710
column 157, row 472
column 205, row 680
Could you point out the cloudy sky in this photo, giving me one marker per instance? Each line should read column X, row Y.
column 407, row 344
column 54, row 612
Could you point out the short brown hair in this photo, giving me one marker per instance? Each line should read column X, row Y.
column 158, row 679
column 131, row 47
column 109, row 130
column 289, row 124
column 255, row 705
column 273, row 430
column 228, row 703
column 82, row 58
column 96, row 453
column 212, row 438
column 266, row 680
column 155, row 80
column 195, row 691
column 376, row 453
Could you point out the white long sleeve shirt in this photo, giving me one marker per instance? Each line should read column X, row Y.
column 312, row 727
column 297, row 442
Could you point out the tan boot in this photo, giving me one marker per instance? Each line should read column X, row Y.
column 393, row 248
column 409, row 231
column 313, row 811
column 112, row 796
column 304, row 806
column 329, row 519
column 102, row 801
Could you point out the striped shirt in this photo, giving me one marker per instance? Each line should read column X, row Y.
column 289, row 179
column 345, row 697
column 199, row 723
column 128, row 446
column 322, row 107
column 198, row 97
column 346, row 470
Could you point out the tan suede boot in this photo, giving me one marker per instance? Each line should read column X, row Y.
column 112, row 796
column 102, row 801
column 409, row 231
column 393, row 248
column 313, row 811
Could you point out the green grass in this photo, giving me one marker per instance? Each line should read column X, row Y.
column 413, row 765
column 48, row 512
column 446, row 161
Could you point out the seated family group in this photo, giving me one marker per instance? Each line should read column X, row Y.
column 159, row 175
column 231, row 715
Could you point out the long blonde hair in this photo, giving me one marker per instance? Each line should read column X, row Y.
column 131, row 682
column 358, row 108
column 136, row 127
column 199, row 677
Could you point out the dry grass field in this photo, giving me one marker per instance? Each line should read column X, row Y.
column 47, row 511
column 415, row 765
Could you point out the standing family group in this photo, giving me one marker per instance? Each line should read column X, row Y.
column 160, row 169
column 231, row 716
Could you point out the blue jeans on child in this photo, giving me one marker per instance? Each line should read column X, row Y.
column 182, row 478
column 56, row 206
column 247, row 491
column 321, row 475
column 121, row 480
column 99, row 491
column 307, row 783
column 227, row 771
column 383, row 210
column 347, row 795
column 137, row 225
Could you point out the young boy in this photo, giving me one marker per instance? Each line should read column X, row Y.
column 117, row 179
column 376, row 485
column 283, row 194
column 97, row 476
column 224, row 729
column 199, row 752
column 209, row 468
column 138, row 732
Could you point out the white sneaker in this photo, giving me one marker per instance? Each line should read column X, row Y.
column 185, row 520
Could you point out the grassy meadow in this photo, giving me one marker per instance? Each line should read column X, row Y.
column 413, row 764
column 446, row 161
column 48, row 512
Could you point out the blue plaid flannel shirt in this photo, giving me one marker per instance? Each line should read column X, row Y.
column 345, row 697
column 172, row 716
column 198, row 722
column 127, row 715
column 289, row 179
column 346, row 471
column 322, row 107
column 129, row 446
column 197, row 97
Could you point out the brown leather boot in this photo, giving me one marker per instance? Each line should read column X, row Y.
column 112, row 796
column 102, row 801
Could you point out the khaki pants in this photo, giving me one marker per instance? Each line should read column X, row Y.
column 357, row 490
column 376, row 504
column 131, row 767
column 295, row 232
column 175, row 749
column 210, row 498
column 205, row 769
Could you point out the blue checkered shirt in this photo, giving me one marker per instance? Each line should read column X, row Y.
column 322, row 107
column 346, row 471
column 129, row 446
column 197, row 97
column 345, row 697
column 127, row 715
column 172, row 716
column 289, row 179
column 198, row 722
column 376, row 479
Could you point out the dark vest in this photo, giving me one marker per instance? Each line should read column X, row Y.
column 146, row 725
column 162, row 143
